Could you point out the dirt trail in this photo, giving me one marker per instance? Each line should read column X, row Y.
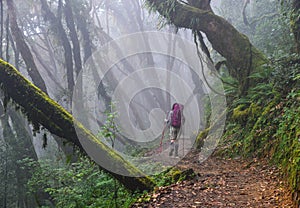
column 224, row 183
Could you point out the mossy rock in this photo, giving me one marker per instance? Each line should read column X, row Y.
column 178, row 175
column 175, row 175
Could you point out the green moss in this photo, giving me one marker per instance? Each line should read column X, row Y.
column 255, row 110
column 178, row 175
column 174, row 175
column 201, row 138
column 287, row 152
column 243, row 113
column 43, row 111
column 240, row 113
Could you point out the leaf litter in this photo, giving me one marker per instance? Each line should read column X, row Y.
column 223, row 183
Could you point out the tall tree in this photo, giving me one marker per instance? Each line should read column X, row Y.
column 73, row 34
column 1, row 27
column 24, row 49
column 295, row 23
column 57, row 27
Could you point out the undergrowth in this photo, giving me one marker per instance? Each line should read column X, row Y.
column 79, row 184
column 266, row 122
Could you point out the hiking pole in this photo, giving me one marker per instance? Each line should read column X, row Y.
column 181, row 135
column 182, row 142
column 162, row 137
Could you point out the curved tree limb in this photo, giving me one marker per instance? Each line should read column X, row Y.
column 245, row 19
column 41, row 110
column 225, row 39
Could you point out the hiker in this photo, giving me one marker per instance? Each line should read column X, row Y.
column 174, row 120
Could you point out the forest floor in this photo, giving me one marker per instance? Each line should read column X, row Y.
column 224, row 183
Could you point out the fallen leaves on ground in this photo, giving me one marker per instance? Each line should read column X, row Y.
column 223, row 183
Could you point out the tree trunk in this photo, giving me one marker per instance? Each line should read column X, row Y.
column 4, row 204
column 83, row 28
column 1, row 28
column 24, row 49
column 74, row 37
column 17, row 139
column 295, row 23
column 41, row 110
column 242, row 57
column 7, row 37
column 63, row 37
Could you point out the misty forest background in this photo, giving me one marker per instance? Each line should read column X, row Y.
column 254, row 46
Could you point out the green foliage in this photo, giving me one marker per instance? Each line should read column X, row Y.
column 269, row 27
column 79, row 184
column 285, row 73
column 82, row 184
column 110, row 129
column 243, row 112
column 168, row 6
column 287, row 147
column 272, row 35
column 230, row 86
column 266, row 122
column 8, row 178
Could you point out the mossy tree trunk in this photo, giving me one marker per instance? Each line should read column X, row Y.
column 41, row 110
column 242, row 57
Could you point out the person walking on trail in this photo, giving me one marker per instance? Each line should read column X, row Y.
column 174, row 120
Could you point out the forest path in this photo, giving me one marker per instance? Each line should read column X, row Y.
column 224, row 183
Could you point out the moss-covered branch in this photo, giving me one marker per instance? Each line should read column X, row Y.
column 242, row 57
column 41, row 110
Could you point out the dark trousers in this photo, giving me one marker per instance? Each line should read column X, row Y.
column 174, row 145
